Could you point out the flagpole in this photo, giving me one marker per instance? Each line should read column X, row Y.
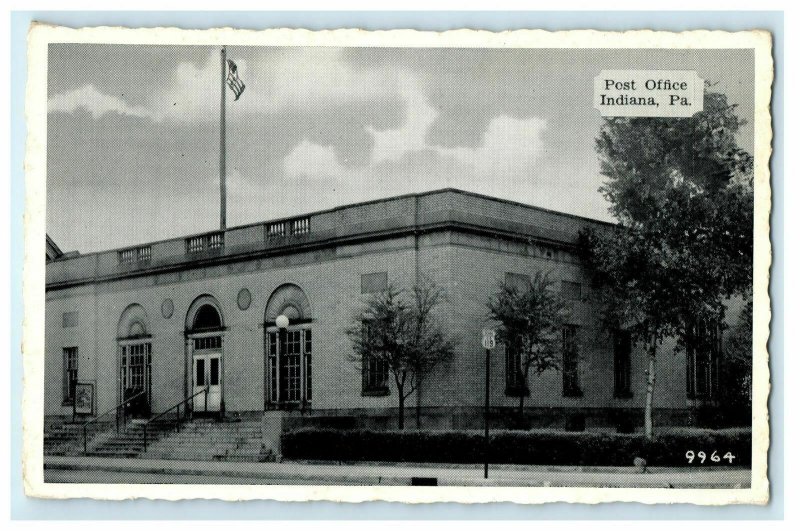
column 222, row 198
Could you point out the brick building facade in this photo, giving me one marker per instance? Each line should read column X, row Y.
column 173, row 316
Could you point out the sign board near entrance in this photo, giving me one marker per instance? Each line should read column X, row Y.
column 84, row 398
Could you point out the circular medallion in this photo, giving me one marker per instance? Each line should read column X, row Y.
column 167, row 308
column 244, row 299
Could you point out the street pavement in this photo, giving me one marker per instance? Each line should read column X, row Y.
column 60, row 469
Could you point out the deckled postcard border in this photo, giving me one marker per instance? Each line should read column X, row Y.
column 41, row 35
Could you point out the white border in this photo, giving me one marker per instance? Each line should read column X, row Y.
column 34, row 262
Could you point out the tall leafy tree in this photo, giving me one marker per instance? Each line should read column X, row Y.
column 399, row 328
column 681, row 189
column 530, row 318
column 738, row 367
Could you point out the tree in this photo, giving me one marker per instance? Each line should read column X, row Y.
column 530, row 319
column 681, row 189
column 737, row 371
column 399, row 329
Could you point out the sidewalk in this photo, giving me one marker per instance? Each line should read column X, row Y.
column 401, row 474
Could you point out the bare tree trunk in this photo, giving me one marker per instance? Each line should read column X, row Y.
column 419, row 404
column 651, row 381
column 401, row 399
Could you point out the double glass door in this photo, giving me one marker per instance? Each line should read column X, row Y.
column 207, row 373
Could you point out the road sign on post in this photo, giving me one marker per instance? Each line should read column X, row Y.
column 489, row 338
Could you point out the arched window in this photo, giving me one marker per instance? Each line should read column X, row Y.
column 207, row 317
column 135, row 359
column 288, row 351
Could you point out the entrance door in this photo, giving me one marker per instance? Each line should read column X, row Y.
column 207, row 372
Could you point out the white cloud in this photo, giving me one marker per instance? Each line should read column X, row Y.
column 505, row 160
column 92, row 100
column 303, row 80
column 510, row 145
column 312, row 160
column 392, row 144
column 296, row 79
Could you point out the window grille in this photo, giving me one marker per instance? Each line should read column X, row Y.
column 374, row 370
column 703, row 347
column 135, row 372
column 289, row 367
column 206, row 343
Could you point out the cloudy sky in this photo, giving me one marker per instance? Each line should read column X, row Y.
column 133, row 131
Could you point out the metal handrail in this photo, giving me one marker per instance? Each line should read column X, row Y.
column 115, row 408
column 177, row 416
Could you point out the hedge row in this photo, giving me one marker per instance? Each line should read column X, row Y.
column 517, row 447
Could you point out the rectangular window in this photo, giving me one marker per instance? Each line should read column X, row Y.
column 703, row 347
column 135, row 372
column 307, row 353
column 272, row 366
column 70, row 361
column 515, row 382
column 206, row 343
column 69, row 319
column 622, row 364
column 213, row 370
column 374, row 282
column 571, row 290
column 289, row 372
column 570, row 368
column 200, row 377
column 518, row 281
column 374, row 372
column 290, row 367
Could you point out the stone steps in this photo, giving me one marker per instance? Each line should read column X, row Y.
column 210, row 441
column 129, row 442
column 200, row 439
column 65, row 439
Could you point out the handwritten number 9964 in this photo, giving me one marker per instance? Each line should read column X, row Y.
column 702, row 457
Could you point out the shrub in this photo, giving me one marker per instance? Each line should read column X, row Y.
column 539, row 447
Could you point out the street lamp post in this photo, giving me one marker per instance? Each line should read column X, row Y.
column 489, row 343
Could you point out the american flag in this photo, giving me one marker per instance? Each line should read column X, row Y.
column 233, row 80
